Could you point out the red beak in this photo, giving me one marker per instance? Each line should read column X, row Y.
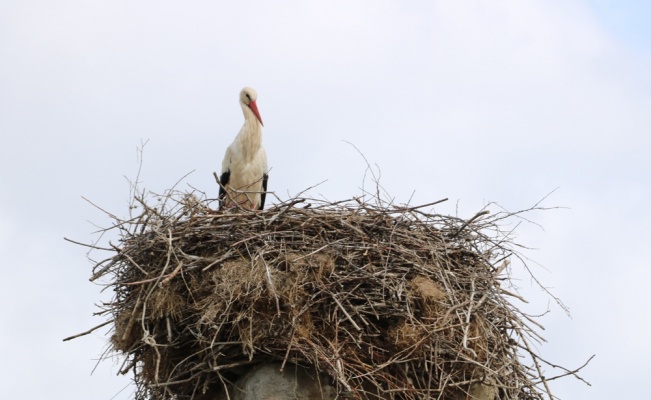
column 254, row 108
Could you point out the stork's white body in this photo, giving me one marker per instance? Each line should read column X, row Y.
column 244, row 169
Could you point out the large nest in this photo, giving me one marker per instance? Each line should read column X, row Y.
column 390, row 302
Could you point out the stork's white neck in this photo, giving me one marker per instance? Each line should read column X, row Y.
column 250, row 136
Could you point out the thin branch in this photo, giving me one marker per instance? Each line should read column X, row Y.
column 91, row 330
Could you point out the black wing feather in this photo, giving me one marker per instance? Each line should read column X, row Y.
column 223, row 181
column 263, row 196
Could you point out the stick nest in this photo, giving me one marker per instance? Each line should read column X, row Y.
column 389, row 302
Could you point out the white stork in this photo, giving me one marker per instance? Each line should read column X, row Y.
column 244, row 169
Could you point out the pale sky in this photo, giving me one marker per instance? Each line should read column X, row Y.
column 480, row 102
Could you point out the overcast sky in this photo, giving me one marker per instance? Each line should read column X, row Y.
column 479, row 102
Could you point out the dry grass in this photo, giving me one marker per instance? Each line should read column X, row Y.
column 391, row 302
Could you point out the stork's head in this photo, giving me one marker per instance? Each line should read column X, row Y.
column 248, row 96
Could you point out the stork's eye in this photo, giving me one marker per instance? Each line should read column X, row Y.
column 248, row 96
